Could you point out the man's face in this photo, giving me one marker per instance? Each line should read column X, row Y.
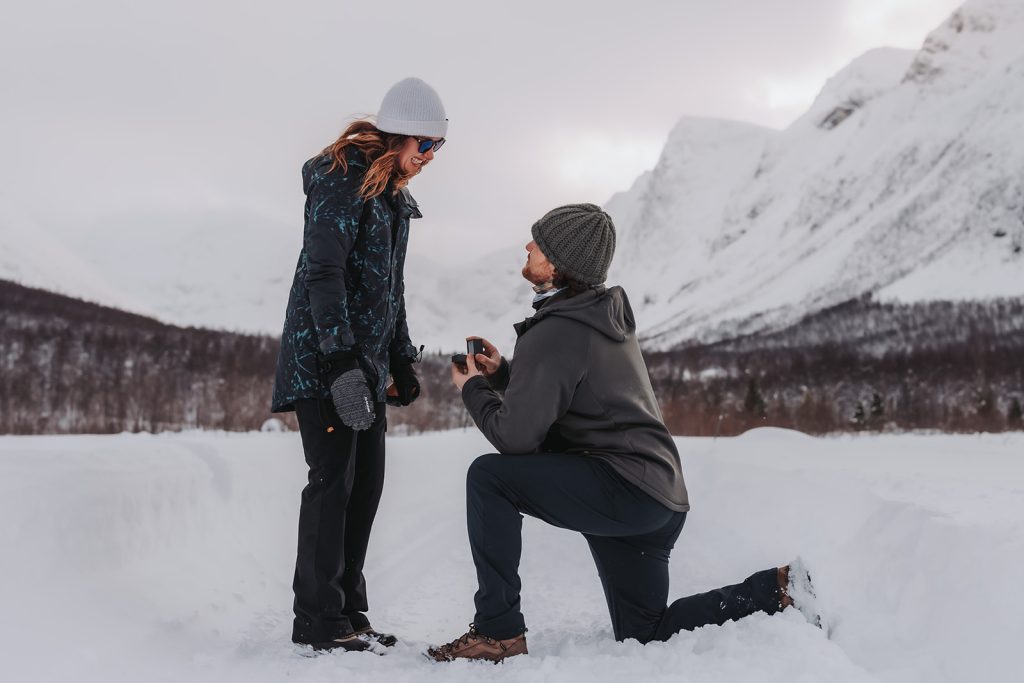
column 538, row 270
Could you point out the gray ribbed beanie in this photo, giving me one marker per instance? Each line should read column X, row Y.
column 579, row 240
column 411, row 107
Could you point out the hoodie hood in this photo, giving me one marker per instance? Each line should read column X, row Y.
column 605, row 310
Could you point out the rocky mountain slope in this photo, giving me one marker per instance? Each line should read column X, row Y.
column 905, row 179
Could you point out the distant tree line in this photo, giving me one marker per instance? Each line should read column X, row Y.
column 863, row 365
column 68, row 366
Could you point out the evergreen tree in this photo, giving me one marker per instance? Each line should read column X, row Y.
column 983, row 401
column 753, row 402
column 877, row 406
column 859, row 418
column 1014, row 417
column 985, row 410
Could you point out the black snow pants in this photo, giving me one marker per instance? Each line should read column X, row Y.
column 630, row 534
column 339, row 502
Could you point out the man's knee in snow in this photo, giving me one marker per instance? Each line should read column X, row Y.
column 642, row 633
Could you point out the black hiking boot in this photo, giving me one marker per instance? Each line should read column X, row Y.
column 349, row 643
column 368, row 633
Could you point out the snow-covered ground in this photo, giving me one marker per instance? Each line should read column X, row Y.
column 138, row 557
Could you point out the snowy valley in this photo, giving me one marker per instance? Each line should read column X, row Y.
column 832, row 317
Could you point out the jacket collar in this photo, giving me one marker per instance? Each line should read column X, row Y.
column 409, row 205
column 403, row 202
column 545, row 309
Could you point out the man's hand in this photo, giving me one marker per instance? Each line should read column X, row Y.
column 459, row 378
column 489, row 361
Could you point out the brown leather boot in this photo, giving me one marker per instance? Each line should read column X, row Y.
column 796, row 590
column 785, row 599
column 472, row 645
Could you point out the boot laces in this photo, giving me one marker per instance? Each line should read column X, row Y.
column 465, row 639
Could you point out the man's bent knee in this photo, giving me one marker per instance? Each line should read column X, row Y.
column 482, row 469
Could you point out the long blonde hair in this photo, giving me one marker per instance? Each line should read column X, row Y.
column 381, row 150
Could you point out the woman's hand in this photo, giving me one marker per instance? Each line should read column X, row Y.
column 459, row 378
column 490, row 360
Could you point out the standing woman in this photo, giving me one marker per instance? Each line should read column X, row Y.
column 344, row 331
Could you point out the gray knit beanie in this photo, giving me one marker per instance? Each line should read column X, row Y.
column 579, row 240
column 411, row 107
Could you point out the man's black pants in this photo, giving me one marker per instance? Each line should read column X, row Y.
column 339, row 502
column 630, row 534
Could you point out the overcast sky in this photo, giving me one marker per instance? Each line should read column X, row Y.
column 137, row 106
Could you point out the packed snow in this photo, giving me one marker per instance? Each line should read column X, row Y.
column 169, row 558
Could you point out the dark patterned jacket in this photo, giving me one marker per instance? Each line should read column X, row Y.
column 348, row 291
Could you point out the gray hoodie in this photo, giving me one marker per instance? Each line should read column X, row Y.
column 578, row 385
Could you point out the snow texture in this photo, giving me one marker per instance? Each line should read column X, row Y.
column 169, row 558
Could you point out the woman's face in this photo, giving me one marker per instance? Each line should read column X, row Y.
column 410, row 160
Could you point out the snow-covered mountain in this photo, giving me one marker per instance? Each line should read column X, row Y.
column 32, row 256
column 905, row 179
column 217, row 268
column 446, row 304
column 232, row 269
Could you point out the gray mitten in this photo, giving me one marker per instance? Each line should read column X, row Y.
column 353, row 400
column 350, row 392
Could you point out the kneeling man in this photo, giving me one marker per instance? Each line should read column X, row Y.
column 581, row 445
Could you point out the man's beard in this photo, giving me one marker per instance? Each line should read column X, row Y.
column 539, row 282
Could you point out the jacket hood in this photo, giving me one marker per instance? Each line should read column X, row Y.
column 316, row 168
column 606, row 310
column 319, row 166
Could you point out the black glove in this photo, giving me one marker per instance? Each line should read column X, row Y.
column 350, row 392
column 407, row 384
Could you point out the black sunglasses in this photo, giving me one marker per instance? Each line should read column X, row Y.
column 427, row 144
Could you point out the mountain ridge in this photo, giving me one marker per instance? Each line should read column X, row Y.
column 905, row 162
column 902, row 181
